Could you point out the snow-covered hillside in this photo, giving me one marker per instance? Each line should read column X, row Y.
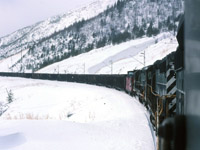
column 118, row 58
column 57, row 23
column 59, row 115
column 18, row 40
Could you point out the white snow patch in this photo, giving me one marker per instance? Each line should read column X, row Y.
column 60, row 115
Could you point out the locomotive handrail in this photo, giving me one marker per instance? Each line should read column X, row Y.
column 155, row 94
column 162, row 97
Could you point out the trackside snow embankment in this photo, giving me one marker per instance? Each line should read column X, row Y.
column 59, row 115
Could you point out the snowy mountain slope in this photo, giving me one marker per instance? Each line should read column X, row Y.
column 124, row 57
column 25, row 37
column 121, row 22
column 51, row 115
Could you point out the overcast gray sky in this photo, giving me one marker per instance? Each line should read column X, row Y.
column 16, row 14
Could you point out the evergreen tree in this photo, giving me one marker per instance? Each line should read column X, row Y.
column 53, row 47
column 10, row 96
column 141, row 32
column 136, row 30
column 150, row 30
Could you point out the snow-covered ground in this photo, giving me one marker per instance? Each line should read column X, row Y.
column 49, row 115
column 117, row 59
